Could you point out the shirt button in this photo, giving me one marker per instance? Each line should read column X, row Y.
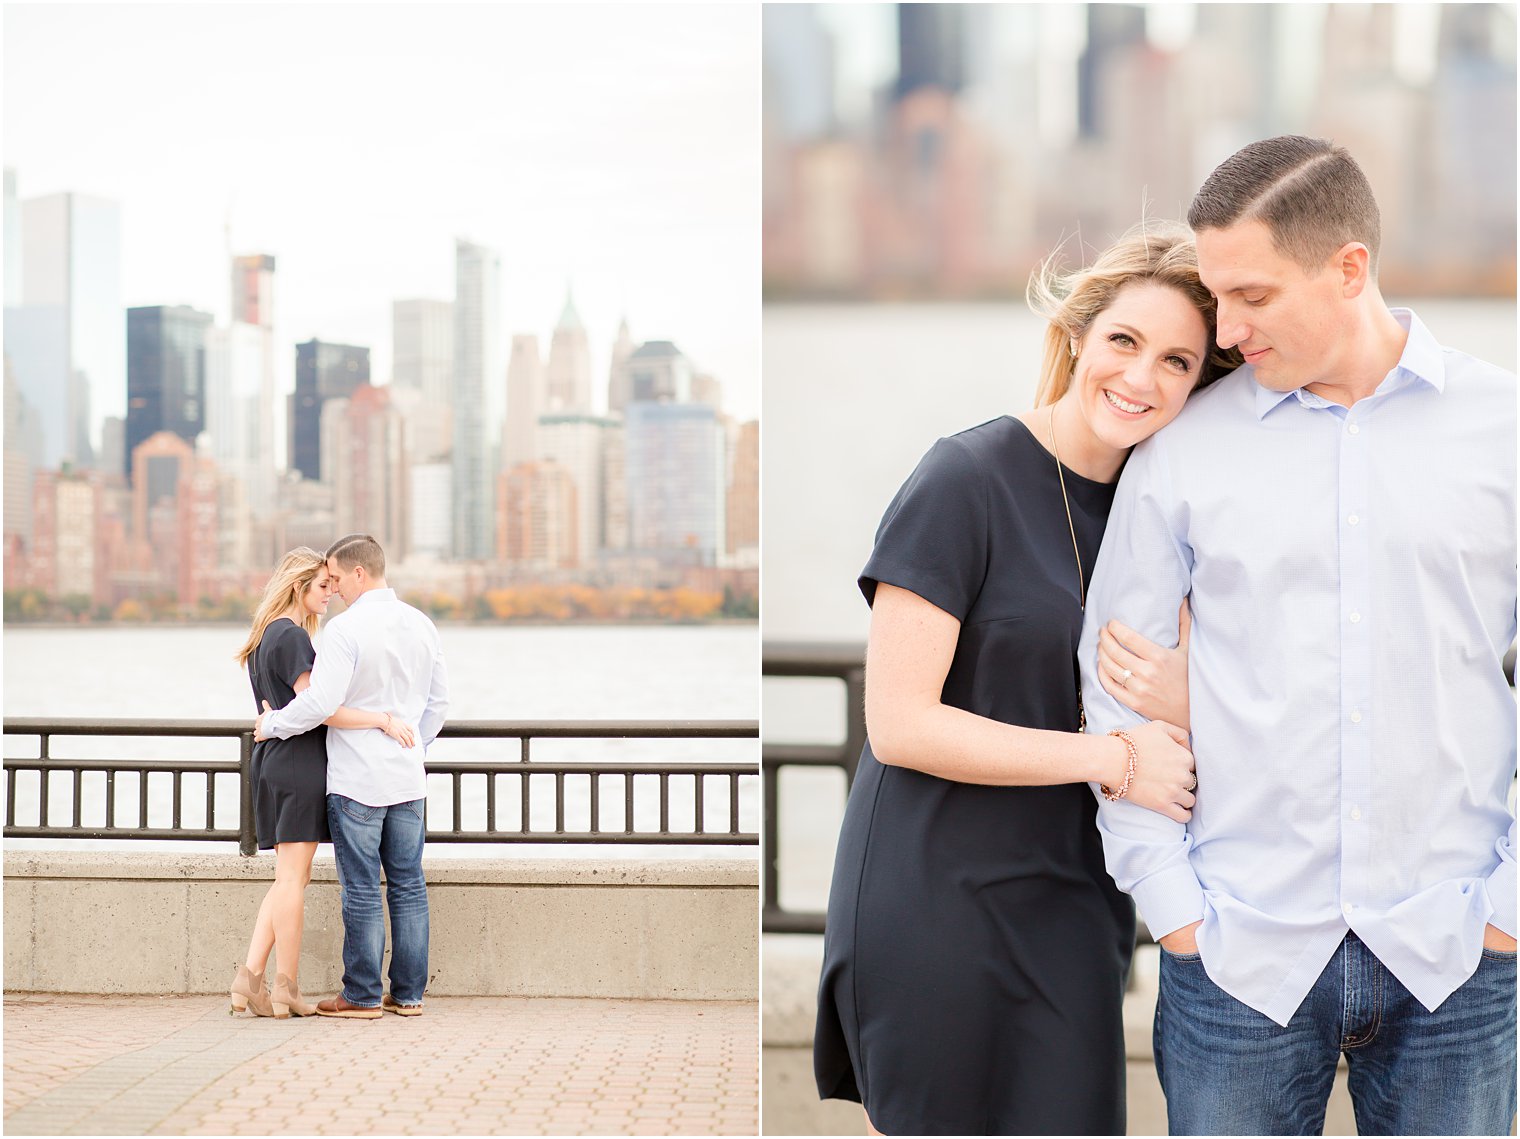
column 1353, row 430
column 1353, row 520
column 1355, row 617
column 1356, row 717
column 1356, row 813
column 1348, row 907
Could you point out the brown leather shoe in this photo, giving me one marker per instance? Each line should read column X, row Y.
column 337, row 1006
column 400, row 1010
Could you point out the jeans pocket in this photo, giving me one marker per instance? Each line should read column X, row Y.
column 359, row 812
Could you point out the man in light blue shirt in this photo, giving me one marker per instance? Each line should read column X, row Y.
column 1340, row 512
column 379, row 653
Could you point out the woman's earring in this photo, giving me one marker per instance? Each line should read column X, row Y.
column 1073, row 346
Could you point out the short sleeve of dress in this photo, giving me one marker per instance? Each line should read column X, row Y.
column 932, row 540
column 291, row 654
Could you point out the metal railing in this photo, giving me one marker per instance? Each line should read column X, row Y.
column 846, row 662
column 522, row 768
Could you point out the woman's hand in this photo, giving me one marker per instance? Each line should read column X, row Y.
column 1142, row 675
column 399, row 730
column 258, row 723
column 1163, row 770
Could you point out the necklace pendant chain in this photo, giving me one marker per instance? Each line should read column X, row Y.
column 1055, row 449
column 1061, row 474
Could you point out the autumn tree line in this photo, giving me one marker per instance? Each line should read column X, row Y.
column 529, row 603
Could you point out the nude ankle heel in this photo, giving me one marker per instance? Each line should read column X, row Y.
column 287, row 1001
column 248, row 992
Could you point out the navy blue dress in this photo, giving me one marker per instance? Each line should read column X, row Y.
column 289, row 776
column 977, row 950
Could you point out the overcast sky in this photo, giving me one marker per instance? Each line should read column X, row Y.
column 613, row 147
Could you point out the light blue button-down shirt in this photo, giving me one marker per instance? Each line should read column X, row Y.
column 1351, row 573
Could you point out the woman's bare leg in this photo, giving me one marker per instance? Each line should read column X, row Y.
column 263, row 933
column 287, row 903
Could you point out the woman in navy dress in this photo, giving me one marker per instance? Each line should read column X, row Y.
column 976, row 948
column 290, row 776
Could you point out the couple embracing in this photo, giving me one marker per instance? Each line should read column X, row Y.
column 340, row 752
column 1307, row 798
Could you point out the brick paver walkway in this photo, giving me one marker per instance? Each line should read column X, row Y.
column 469, row 1065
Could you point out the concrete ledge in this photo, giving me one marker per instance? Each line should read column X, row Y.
column 105, row 922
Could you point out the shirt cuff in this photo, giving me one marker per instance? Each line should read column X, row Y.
column 1501, row 895
column 271, row 725
column 1169, row 900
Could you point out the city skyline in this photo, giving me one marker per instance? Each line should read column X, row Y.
column 582, row 174
column 918, row 150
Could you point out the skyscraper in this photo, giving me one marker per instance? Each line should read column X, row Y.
column 18, row 466
column 363, row 459
column 237, row 366
column 66, row 507
column 324, row 371
column 166, row 373
column 176, row 496
column 931, row 47
column 430, row 495
column 744, row 496
column 659, row 372
column 252, row 383
column 575, row 441
column 477, row 273
column 536, row 517
column 568, row 386
column 619, row 384
column 253, row 290
column 422, row 374
column 64, row 334
column 676, row 482
column 525, row 400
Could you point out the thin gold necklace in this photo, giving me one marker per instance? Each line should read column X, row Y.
column 1081, row 586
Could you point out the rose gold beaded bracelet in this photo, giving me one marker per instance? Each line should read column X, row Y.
column 1132, row 754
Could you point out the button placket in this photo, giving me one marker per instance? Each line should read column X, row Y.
column 1354, row 538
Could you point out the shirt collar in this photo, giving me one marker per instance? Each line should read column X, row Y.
column 358, row 601
column 1421, row 362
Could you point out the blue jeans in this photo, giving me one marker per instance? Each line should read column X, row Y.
column 1228, row 1070
column 365, row 839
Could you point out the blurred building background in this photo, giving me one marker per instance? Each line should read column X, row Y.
column 214, row 356
column 481, row 473
column 940, row 150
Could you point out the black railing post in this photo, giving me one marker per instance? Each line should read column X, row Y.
column 248, row 843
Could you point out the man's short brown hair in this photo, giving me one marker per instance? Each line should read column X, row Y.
column 1310, row 194
column 358, row 550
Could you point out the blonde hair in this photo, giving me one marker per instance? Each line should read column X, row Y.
column 1163, row 254
column 289, row 583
